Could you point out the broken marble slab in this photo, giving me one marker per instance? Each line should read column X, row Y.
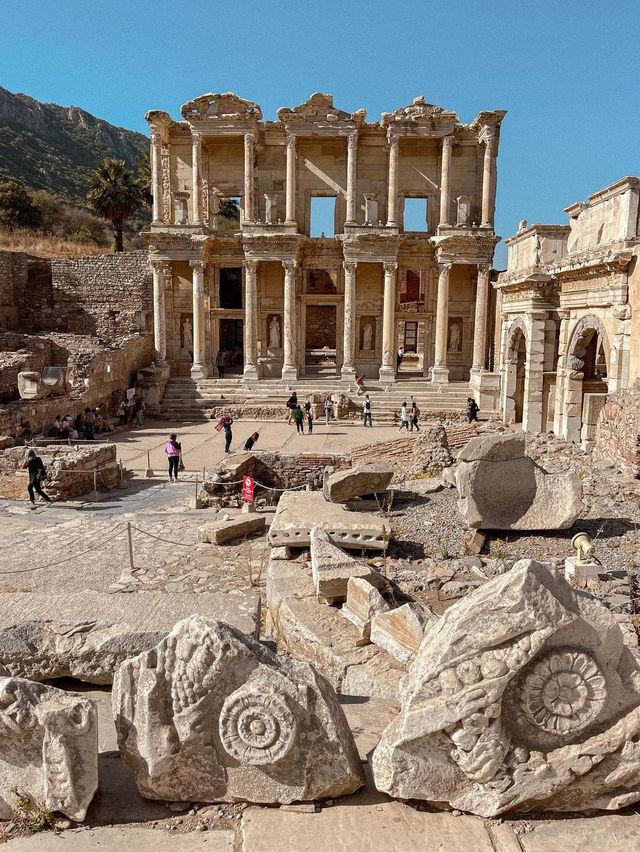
column 343, row 485
column 364, row 602
column 523, row 696
column 88, row 634
column 331, row 568
column 220, row 532
column 501, row 488
column 299, row 512
column 400, row 631
column 48, row 749
column 211, row 715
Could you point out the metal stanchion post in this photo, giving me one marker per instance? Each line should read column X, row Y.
column 95, row 484
column 130, row 546
column 149, row 471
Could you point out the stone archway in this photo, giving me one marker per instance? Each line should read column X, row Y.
column 514, row 373
column 586, row 379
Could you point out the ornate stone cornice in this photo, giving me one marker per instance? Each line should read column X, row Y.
column 223, row 107
column 419, row 113
column 590, row 264
column 319, row 109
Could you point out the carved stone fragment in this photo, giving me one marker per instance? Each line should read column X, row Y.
column 211, row 715
column 522, row 697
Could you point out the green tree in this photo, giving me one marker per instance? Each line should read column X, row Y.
column 50, row 209
column 144, row 180
column 17, row 209
column 114, row 195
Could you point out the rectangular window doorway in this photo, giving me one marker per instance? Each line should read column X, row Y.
column 322, row 216
column 415, row 214
column 231, row 287
column 410, row 336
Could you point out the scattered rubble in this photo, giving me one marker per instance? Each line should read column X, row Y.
column 364, row 602
column 222, row 531
column 343, row 485
column 400, row 631
column 332, row 568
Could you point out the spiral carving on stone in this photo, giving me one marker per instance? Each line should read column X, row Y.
column 256, row 727
column 563, row 691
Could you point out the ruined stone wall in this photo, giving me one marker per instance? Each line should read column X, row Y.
column 17, row 355
column 617, row 433
column 25, row 290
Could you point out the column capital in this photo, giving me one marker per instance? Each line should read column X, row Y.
column 447, row 142
column 249, row 138
column 291, row 141
column 489, row 138
column 350, row 266
column 390, row 267
column 352, row 140
column 197, row 265
column 196, row 136
column 167, row 268
column 250, row 265
column 289, row 265
column 392, row 137
column 156, row 137
column 445, row 266
column 156, row 263
column 484, row 268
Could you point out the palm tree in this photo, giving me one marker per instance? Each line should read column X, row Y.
column 114, row 194
column 144, row 180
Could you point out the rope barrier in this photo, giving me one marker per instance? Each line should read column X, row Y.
column 159, row 538
column 62, row 561
column 262, row 485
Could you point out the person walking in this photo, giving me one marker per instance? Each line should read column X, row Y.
column 472, row 410
column 227, row 422
column 174, row 450
column 328, row 408
column 399, row 357
column 292, row 403
column 298, row 416
column 139, row 412
column 37, row 474
column 404, row 420
column 122, row 413
column 309, row 418
column 251, row 440
column 414, row 414
column 89, row 425
column 220, row 363
column 366, row 411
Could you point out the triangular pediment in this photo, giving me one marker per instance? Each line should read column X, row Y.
column 223, row 107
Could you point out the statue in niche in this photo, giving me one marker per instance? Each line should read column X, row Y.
column 455, row 336
column 187, row 335
column 367, row 336
column 274, row 333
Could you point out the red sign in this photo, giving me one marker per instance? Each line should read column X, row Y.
column 247, row 489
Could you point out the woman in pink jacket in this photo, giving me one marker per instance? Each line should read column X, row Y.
column 174, row 450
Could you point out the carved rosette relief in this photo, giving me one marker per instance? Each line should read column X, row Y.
column 256, row 728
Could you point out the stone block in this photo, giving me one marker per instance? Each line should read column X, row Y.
column 332, row 568
column 299, row 512
column 356, row 481
column 523, row 696
column 400, row 631
column 210, row 715
column 220, row 532
column 364, row 602
column 578, row 574
column 49, row 748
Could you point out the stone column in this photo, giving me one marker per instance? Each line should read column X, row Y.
column 480, row 323
column 198, row 369
column 388, row 367
column 445, row 193
column 249, row 193
column 439, row 371
column 159, row 320
column 352, row 148
column 348, row 366
column 250, row 319
column 156, row 176
column 196, row 164
column 392, row 201
column 487, row 181
column 289, row 369
column 290, row 217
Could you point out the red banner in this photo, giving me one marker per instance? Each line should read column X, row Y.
column 247, row 489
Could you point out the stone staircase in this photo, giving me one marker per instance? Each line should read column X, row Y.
column 189, row 400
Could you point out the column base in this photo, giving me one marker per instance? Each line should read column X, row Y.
column 485, row 388
column 289, row 373
column 439, row 375
column 199, row 371
column 348, row 374
column 250, row 373
column 387, row 375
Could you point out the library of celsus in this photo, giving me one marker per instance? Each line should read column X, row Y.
column 403, row 259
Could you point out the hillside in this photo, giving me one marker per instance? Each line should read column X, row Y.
column 55, row 148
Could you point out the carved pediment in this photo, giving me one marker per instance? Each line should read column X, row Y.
column 419, row 112
column 223, row 107
column 319, row 107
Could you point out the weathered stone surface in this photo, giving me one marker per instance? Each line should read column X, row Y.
column 212, row 715
column 88, row 634
column 219, row 532
column 500, row 488
column 332, row 568
column 299, row 512
column 356, row 481
column 522, row 696
column 364, row 602
column 48, row 748
column 318, row 633
column 400, row 631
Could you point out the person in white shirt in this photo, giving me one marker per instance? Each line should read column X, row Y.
column 404, row 420
column 366, row 411
column 399, row 357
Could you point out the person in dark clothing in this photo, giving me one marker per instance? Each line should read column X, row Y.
column 309, row 419
column 414, row 414
column 228, row 435
column 472, row 410
column 78, row 424
column 251, row 440
column 173, row 449
column 292, row 403
column 37, row 473
column 89, row 424
column 298, row 416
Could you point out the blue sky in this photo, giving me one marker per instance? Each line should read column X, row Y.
column 566, row 71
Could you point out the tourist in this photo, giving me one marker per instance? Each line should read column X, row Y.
column 56, row 427
column 309, row 410
column 139, row 412
column 131, row 408
column 298, row 416
column 366, row 411
column 220, row 364
column 328, row 408
column 68, row 429
column 251, row 440
column 37, row 474
column 292, row 404
column 404, row 419
column 122, row 412
column 78, row 425
column 89, row 424
column 399, row 357
column 101, row 422
column 227, row 422
column 359, row 385
column 472, row 409
column 414, row 414
column 174, row 450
